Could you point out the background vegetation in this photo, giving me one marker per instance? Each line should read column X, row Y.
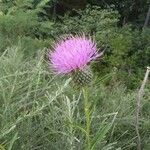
column 41, row 111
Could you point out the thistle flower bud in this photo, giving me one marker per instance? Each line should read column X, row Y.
column 82, row 77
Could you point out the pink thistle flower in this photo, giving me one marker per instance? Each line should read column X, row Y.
column 72, row 53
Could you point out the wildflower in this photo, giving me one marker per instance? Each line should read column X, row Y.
column 72, row 55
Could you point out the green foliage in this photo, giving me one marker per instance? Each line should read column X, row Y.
column 91, row 20
column 37, row 112
column 18, row 23
column 127, row 52
column 41, row 111
column 130, row 11
column 21, row 18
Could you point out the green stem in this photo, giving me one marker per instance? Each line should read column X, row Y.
column 87, row 117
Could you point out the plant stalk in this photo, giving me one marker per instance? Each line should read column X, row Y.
column 87, row 117
column 139, row 98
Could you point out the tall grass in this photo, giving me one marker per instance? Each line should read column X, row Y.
column 41, row 111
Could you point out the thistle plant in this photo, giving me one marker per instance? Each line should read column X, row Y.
column 72, row 56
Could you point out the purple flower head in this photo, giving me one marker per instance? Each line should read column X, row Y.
column 72, row 53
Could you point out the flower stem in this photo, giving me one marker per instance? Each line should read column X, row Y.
column 87, row 117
